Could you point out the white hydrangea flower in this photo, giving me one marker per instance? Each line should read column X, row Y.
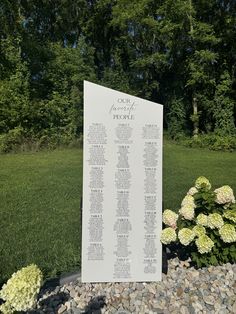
column 201, row 220
column 188, row 200
column 230, row 214
column 204, row 244
column 224, row 195
column 186, row 236
column 215, row 221
column 202, row 183
column 199, row 230
column 187, row 211
column 193, row 190
column 228, row 233
column 5, row 308
column 168, row 235
column 21, row 290
column 170, row 218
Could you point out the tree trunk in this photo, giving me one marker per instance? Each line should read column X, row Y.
column 195, row 118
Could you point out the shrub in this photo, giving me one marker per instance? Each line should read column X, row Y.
column 11, row 140
column 213, row 142
column 205, row 227
column 21, row 290
column 17, row 141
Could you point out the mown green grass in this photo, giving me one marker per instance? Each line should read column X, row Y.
column 40, row 202
column 183, row 165
column 40, row 211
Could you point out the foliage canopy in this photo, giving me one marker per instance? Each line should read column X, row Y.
column 177, row 52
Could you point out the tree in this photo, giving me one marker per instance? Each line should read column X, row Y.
column 176, row 52
column 224, row 106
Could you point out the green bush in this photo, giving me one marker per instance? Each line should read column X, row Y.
column 17, row 141
column 213, row 142
column 11, row 140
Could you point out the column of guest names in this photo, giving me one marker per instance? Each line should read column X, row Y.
column 96, row 140
column 150, row 135
column 122, row 181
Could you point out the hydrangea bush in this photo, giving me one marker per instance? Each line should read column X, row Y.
column 21, row 290
column 205, row 225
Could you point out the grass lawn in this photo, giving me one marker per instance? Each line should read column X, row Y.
column 40, row 211
column 40, row 201
column 183, row 165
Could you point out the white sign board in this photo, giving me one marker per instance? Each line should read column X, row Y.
column 122, row 187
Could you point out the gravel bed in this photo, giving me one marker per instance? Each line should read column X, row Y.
column 183, row 290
